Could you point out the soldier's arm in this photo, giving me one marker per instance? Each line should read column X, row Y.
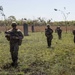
column 21, row 36
column 52, row 31
column 7, row 35
column 45, row 32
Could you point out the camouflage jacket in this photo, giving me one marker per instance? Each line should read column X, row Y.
column 59, row 31
column 48, row 32
column 14, row 36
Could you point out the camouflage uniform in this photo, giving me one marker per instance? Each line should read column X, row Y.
column 74, row 35
column 14, row 36
column 48, row 33
column 59, row 32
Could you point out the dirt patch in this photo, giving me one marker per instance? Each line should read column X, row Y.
column 39, row 28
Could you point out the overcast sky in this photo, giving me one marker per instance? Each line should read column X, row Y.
column 32, row 9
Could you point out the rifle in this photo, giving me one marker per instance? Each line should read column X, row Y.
column 14, row 36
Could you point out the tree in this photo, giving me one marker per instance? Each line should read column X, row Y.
column 11, row 19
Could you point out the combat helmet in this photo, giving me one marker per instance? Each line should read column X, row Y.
column 14, row 24
column 48, row 25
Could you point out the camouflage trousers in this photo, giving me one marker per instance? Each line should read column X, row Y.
column 59, row 36
column 14, row 52
column 49, row 40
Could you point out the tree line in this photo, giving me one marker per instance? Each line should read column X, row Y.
column 39, row 21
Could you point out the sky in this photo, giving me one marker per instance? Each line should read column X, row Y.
column 32, row 9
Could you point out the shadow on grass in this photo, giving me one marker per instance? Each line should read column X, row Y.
column 7, row 66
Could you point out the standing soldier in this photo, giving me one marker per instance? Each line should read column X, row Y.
column 14, row 36
column 59, row 32
column 74, row 35
column 48, row 34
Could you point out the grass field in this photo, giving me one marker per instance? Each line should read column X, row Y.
column 36, row 59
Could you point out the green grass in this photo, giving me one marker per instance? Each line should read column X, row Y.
column 36, row 59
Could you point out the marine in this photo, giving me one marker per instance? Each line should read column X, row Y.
column 14, row 36
column 59, row 32
column 48, row 34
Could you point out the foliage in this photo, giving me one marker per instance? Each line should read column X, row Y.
column 11, row 18
column 36, row 59
column 39, row 21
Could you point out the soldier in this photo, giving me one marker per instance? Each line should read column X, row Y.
column 59, row 32
column 14, row 36
column 74, row 35
column 48, row 34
